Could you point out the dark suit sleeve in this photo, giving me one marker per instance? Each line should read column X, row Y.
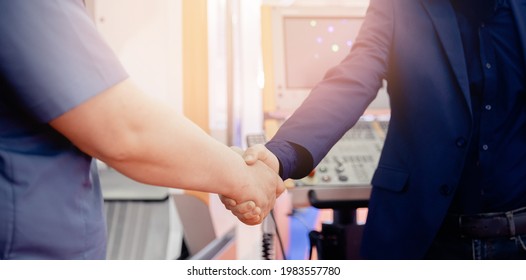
column 337, row 102
column 296, row 158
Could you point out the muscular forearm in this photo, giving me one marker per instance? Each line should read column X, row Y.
column 148, row 141
column 178, row 154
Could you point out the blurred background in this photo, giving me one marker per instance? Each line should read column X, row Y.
column 239, row 68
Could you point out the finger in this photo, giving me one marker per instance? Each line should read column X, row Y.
column 260, row 152
column 251, row 215
column 228, row 202
column 248, row 218
column 255, row 153
column 251, row 219
column 245, row 207
column 255, row 212
column 247, row 213
column 251, row 222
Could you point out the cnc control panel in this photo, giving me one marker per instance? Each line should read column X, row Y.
column 353, row 159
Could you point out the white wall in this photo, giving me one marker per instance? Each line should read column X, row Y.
column 146, row 35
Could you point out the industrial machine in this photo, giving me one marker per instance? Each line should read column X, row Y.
column 149, row 222
column 341, row 182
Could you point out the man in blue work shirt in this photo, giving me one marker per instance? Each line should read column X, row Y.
column 451, row 180
column 64, row 98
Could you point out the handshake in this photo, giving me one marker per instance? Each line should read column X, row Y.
column 260, row 188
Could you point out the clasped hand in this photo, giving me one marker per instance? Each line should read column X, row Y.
column 264, row 186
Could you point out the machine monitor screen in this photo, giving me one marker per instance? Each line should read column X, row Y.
column 308, row 41
column 314, row 44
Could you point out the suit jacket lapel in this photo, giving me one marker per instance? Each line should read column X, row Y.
column 446, row 26
column 519, row 10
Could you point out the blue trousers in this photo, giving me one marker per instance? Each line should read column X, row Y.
column 448, row 247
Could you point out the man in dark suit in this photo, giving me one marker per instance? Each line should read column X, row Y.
column 451, row 180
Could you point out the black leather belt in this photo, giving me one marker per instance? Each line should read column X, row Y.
column 487, row 225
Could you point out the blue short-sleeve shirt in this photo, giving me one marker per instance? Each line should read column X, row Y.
column 51, row 60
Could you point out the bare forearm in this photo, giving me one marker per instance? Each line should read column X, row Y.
column 150, row 142
column 179, row 154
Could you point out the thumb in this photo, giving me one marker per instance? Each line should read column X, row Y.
column 252, row 154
